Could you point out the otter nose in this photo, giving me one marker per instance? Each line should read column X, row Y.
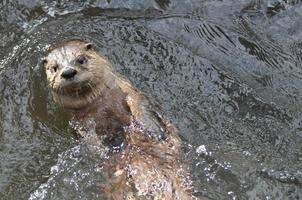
column 68, row 73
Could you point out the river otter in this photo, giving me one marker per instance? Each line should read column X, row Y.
column 147, row 164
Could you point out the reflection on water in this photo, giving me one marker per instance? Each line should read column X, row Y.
column 77, row 174
column 227, row 73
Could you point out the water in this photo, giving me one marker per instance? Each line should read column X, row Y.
column 226, row 73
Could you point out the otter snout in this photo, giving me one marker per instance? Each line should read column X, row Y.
column 68, row 73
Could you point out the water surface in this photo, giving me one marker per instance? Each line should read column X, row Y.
column 226, row 73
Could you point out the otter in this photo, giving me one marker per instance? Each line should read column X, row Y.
column 146, row 163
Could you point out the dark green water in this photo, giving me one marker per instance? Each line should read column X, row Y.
column 228, row 74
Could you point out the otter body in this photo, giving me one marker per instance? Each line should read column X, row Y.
column 147, row 165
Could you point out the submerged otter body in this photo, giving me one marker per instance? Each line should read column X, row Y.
column 148, row 164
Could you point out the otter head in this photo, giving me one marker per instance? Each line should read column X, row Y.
column 76, row 74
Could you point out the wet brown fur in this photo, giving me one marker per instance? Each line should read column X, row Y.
column 149, row 167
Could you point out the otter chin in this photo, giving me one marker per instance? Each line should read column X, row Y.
column 84, row 83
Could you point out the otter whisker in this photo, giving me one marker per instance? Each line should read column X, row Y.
column 60, row 92
column 92, row 92
column 50, row 84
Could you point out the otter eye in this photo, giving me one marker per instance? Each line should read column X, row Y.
column 54, row 68
column 81, row 60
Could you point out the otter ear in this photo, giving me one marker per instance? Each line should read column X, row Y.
column 44, row 61
column 88, row 46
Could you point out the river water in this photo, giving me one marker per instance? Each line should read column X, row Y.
column 228, row 74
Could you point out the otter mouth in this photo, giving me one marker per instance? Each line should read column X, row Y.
column 75, row 90
column 76, row 96
column 80, row 91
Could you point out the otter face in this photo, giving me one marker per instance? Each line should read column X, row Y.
column 65, row 65
column 75, row 73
